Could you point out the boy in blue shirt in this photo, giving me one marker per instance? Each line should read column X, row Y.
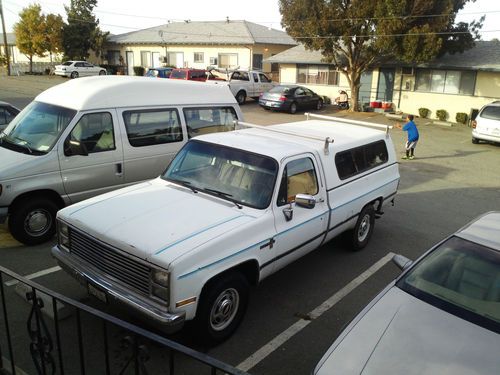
column 412, row 130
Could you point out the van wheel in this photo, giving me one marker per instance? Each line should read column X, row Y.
column 223, row 303
column 293, row 108
column 74, row 74
column 241, row 97
column 363, row 230
column 475, row 140
column 33, row 221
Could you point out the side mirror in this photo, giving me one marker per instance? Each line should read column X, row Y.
column 401, row 261
column 305, row 200
column 73, row 147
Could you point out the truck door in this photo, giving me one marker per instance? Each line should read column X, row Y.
column 299, row 229
column 98, row 166
column 265, row 83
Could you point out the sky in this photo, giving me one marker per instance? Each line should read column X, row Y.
column 121, row 16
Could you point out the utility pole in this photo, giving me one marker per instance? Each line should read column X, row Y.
column 5, row 45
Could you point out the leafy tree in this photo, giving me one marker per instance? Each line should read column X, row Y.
column 30, row 33
column 98, row 41
column 357, row 34
column 79, row 32
column 54, row 30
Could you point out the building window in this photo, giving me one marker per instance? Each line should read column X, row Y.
column 446, row 81
column 257, row 61
column 317, row 75
column 228, row 60
column 199, row 57
column 145, row 58
column 213, row 61
column 113, row 57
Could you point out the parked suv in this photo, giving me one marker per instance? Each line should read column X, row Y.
column 486, row 126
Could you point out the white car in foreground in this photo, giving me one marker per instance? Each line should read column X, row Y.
column 75, row 69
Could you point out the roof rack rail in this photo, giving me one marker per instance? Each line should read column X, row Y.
column 327, row 140
column 352, row 122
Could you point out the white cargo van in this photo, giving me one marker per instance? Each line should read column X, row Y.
column 89, row 136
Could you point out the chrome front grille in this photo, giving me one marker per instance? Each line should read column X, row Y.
column 110, row 261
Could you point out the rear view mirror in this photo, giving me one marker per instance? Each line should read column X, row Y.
column 74, row 147
column 401, row 261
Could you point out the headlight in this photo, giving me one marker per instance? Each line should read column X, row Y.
column 63, row 235
column 160, row 278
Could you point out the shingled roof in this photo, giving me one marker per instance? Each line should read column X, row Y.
column 485, row 56
column 207, row 33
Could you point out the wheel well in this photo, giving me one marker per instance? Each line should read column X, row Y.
column 249, row 270
column 377, row 204
column 46, row 194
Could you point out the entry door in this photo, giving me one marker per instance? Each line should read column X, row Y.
column 156, row 59
column 385, row 85
column 130, row 63
column 304, row 229
column 101, row 170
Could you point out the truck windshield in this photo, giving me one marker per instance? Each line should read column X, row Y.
column 235, row 175
column 36, row 129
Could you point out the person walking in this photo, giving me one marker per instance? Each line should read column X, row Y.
column 413, row 136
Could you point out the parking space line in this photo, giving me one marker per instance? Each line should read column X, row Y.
column 35, row 275
column 291, row 331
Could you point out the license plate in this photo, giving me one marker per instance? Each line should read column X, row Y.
column 98, row 293
column 269, row 104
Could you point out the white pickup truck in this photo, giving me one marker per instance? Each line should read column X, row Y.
column 244, row 84
column 231, row 209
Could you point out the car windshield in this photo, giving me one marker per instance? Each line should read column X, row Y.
column 231, row 174
column 179, row 74
column 460, row 277
column 36, row 129
column 280, row 89
column 491, row 112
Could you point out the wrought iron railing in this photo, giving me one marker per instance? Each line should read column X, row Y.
column 49, row 333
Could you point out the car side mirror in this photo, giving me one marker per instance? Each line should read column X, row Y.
column 401, row 261
column 73, row 147
column 305, row 200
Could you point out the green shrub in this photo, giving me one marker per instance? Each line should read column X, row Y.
column 441, row 114
column 423, row 112
column 139, row 70
column 461, row 117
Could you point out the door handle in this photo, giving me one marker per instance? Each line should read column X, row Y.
column 119, row 169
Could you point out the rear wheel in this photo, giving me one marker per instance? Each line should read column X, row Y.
column 241, row 97
column 222, row 306
column 293, row 108
column 74, row 74
column 33, row 221
column 363, row 230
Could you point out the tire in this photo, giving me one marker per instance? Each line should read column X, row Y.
column 241, row 97
column 475, row 140
column 33, row 221
column 363, row 230
column 293, row 108
column 319, row 105
column 223, row 303
column 102, row 73
column 74, row 74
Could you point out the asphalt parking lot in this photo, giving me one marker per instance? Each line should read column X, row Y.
column 295, row 314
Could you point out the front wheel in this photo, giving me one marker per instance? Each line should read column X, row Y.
column 319, row 105
column 241, row 97
column 33, row 221
column 102, row 73
column 222, row 306
column 475, row 140
column 363, row 230
column 74, row 74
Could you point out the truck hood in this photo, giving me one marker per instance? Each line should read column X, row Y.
column 18, row 164
column 156, row 221
column 401, row 334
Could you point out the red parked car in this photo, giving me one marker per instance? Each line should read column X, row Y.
column 189, row 74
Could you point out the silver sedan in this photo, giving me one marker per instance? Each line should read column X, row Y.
column 75, row 69
column 441, row 316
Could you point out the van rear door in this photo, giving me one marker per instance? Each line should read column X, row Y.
column 91, row 156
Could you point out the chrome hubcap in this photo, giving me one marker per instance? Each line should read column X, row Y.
column 37, row 222
column 224, row 309
column 364, row 228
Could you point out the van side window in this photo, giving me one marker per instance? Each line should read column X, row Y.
column 95, row 131
column 360, row 159
column 299, row 177
column 152, row 127
column 209, row 120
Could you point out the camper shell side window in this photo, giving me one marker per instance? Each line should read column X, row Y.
column 360, row 159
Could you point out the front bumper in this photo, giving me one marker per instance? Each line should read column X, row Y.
column 119, row 295
column 4, row 212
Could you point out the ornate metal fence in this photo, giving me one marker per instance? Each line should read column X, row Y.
column 49, row 333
